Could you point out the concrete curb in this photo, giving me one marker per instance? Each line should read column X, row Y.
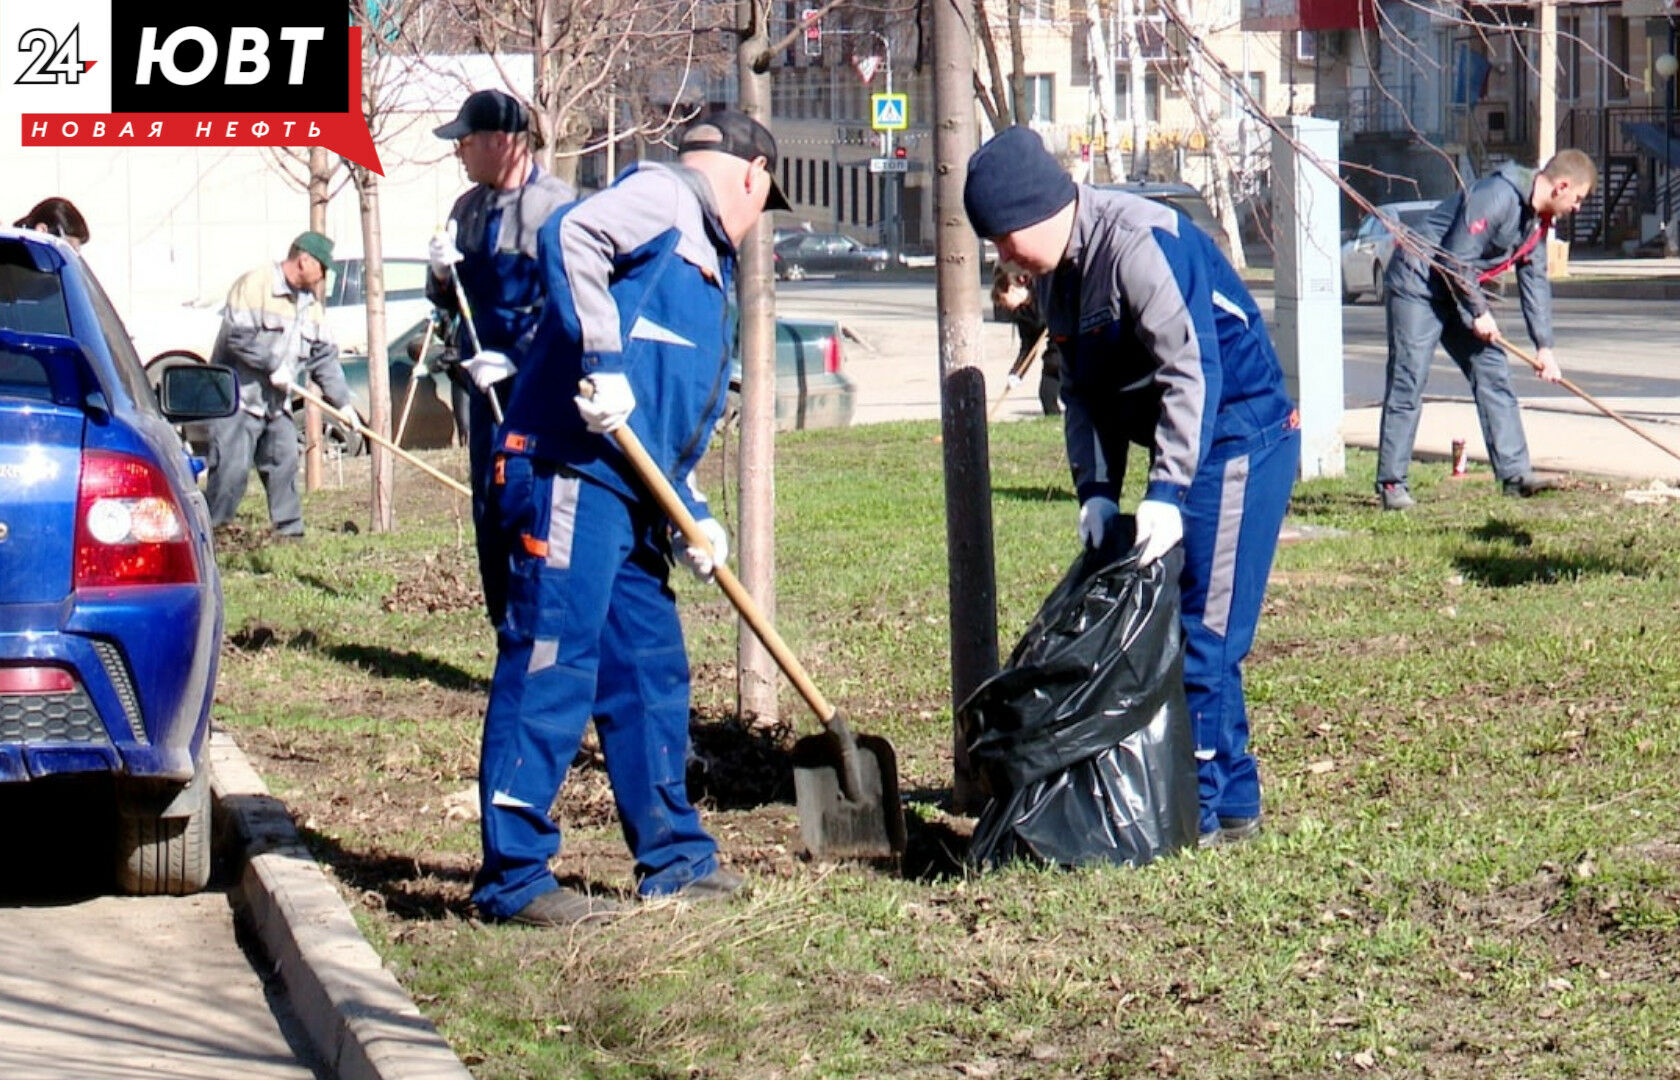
column 361, row 1022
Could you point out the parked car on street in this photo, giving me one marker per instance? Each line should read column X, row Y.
column 812, row 387
column 192, row 327
column 1183, row 198
column 110, row 600
column 1366, row 254
column 827, row 253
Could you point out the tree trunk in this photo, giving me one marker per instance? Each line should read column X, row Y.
column 756, row 683
column 1131, row 34
column 968, row 507
column 378, row 370
column 320, row 172
column 1102, row 85
column 1219, row 159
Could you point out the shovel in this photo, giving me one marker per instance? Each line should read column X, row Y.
column 845, row 785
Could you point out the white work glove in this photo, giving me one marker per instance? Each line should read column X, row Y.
column 489, row 368
column 283, row 376
column 442, row 253
column 701, row 561
column 1096, row 516
column 612, row 404
column 1160, row 525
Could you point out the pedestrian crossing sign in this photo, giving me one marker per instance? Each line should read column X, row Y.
column 889, row 112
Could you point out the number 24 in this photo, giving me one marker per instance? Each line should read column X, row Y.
column 51, row 62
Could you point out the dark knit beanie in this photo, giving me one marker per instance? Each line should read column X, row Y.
column 1013, row 182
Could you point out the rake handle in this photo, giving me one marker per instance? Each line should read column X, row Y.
column 1020, row 370
column 414, row 381
column 666, row 496
column 354, row 421
column 1535, row 363
column 472, row 332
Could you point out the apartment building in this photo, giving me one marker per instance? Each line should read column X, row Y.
column 821, row 103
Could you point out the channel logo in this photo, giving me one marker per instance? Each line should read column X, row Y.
column 81, row 73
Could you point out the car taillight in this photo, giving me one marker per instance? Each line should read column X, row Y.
column 129, row 529
column 831, row 355
column 35, row 680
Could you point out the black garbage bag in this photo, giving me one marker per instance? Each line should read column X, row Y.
column 1083, row 742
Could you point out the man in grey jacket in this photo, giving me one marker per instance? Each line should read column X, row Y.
column 1435, row 294
column 271, row 329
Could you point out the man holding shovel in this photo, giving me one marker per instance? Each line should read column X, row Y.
column 638, row 280
column 492, row 259
column 1161, row 345
column 271, row 326
column 1434, row 294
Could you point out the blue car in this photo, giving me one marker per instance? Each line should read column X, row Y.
column 110, row 601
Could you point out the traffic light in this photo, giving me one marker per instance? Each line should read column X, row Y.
column 900, row 152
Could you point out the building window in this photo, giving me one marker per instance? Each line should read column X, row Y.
column 839, row 194
column 1569, row 57
column 1151, row 97
column 854, row 187
column 786, row 182
column 1039, row 11
column 1041, row 99
column 869, row 203
column 811, row 179
column 1236, row 105
column 825, row 185
column 798, row 181
column 1306, row 46
column 1617, row 55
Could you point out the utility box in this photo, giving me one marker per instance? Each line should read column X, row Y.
column 1307, row 283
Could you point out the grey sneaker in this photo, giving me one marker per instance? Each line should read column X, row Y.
column 1233, row 830
column 1528, row 485
column 1395, row 496
column 720, row 884
column 566, row 907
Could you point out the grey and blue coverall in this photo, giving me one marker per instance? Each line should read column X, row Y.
column 1434, row 295
column 1163, row 346
column 637, row 282
column 496, row 233
column 270, row 331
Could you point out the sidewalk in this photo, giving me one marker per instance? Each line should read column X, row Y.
column 1563, row 436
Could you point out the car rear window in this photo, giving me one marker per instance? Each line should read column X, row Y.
column 31, row 298
column 23, row 376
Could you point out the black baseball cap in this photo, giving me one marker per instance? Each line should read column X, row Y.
column 484, row 110
column 731, row 132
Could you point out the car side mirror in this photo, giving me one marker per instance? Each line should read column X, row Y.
column 198, row 392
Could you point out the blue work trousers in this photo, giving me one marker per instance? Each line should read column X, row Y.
column 1415, row 325
column 1231, row 522
column 590, row 629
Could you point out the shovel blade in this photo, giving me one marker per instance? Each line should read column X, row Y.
column 835, row 823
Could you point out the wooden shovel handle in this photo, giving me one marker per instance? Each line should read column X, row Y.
column 666, row 496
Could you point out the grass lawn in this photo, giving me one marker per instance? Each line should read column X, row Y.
column 1466, row 718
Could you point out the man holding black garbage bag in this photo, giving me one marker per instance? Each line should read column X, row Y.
column 1161, row 345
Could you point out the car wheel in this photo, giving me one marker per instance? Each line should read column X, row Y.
column 793, row 272
column 1377, row 293
column 163, row 843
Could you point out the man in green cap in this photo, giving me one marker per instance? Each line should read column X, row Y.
column 272, row 328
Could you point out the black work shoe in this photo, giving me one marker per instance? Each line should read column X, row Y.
column 1529, row 484
column 720, row 884
column 1234, row 830
column 566, row 907
column 1395, row 496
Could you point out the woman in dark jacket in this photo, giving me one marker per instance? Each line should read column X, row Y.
column 1012, row 292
